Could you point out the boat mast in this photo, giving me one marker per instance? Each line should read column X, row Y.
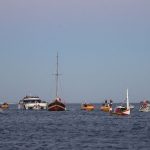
column 127, row 100
column 57, row 74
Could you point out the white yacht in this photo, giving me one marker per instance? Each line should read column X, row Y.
column 32, row 102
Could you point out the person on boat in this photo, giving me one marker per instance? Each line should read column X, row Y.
column 106, row 104
column 110, row 105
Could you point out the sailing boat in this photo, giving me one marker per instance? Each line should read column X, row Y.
column 123, row 110
column 57, row 104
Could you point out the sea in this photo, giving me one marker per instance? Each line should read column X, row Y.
column 73, row 129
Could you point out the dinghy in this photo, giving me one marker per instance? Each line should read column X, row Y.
column 88, row 107
column 106, row 107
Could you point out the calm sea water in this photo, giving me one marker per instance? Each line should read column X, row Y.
column 73, row 130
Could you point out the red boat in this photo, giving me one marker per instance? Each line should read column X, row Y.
column 57, row 105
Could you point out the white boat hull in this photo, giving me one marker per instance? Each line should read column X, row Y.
column 127, row 112
column 35, row 106
column 120, row 110
column 32, row 102
column 147, row 109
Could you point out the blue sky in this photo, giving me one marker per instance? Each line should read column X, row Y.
column 103, row 49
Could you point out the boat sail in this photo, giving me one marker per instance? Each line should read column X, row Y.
column 57, row 104
column 123, row 110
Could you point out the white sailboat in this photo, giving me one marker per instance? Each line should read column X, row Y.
column 123, row 110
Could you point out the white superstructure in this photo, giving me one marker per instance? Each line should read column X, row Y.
column 32, row 102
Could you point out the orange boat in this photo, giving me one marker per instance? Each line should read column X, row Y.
column 4, row 106
column 106, row 107
column 88, row 107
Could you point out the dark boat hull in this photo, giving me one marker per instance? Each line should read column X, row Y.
column 56, row 106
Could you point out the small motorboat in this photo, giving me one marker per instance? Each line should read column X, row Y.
column 123, row 110
column 106, row 107
column 145, row 106
column 4, row 106
column 88, row 107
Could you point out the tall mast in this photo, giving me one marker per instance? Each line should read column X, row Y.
column 127, row 100
column 57, row 74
